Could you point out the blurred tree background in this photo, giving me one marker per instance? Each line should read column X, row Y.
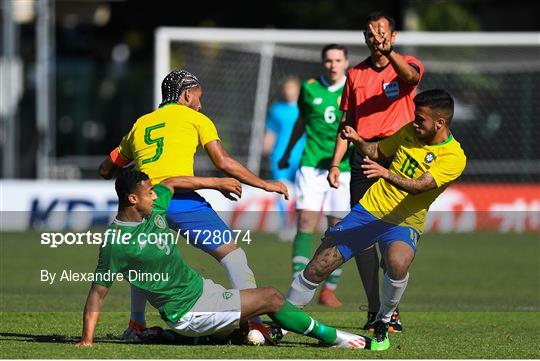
column 104, row 52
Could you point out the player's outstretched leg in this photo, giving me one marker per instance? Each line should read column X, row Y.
column 291, row 318
column 231, row 257
column 234, row 261
column 302, row 250
column 326, row 260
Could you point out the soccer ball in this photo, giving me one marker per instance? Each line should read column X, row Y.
column 255, row 338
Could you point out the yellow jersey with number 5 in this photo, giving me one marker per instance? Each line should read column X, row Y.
column 412, row 158
column 163, row 143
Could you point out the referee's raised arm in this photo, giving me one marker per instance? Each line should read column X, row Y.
column 383, row 38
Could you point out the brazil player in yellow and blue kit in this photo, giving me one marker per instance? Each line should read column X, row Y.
column 427, row 158
column 163, row 144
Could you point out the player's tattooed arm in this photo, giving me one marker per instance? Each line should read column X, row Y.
column 94, row 303
column 413, row 186
column 370, row 149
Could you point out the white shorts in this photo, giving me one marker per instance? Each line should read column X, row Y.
column 314, row 193
column 217, row 312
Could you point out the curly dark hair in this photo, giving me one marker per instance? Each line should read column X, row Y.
column 127, row 181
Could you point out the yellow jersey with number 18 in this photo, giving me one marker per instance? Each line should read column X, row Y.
column 163, row 143
column 412, row 158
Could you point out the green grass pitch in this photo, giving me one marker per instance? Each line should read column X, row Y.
column 469, row 296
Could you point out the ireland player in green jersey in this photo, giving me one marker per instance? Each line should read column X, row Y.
column 319, row 119
column 145, row 256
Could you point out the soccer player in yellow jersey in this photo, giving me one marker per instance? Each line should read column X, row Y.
column 163, row 144
column 427, row 159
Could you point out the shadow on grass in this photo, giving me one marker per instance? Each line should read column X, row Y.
column 25, row 337
column 110, row 339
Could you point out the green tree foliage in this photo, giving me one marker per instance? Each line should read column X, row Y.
column 447, row 15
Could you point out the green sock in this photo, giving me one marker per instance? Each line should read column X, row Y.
column 301, row 251
column 293, row 319
column 332, row 280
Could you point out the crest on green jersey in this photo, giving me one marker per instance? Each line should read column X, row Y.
column 159, row 221
column 227, row 295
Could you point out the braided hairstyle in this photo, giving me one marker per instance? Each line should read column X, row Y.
column 175, row 83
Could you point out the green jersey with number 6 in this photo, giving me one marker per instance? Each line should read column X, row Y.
column 145, row 253
column 319, row 108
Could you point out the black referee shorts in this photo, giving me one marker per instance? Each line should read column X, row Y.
column 359, row 183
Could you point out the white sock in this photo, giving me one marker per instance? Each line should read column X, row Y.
column 238, row 271
column 301, row 291
column 138, row 305
column 391, row 293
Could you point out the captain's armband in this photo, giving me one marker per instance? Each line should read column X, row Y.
column 117, row 158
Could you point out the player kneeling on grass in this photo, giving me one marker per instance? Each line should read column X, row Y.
column 427, row 159
column 191, row 305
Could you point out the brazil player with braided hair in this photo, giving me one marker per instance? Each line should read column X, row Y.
column 191, row 305
column 319, row 120
column 163, row 144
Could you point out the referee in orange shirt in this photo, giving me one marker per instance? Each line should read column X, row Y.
column 377, row 101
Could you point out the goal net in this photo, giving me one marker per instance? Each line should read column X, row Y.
column 494, row 77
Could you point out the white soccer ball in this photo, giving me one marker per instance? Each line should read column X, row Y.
column 255, row 338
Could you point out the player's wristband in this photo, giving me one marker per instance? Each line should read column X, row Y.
column 332, row 166
column 117, row 158
column 386, row 53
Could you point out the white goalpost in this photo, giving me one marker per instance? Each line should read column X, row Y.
column 241, row 69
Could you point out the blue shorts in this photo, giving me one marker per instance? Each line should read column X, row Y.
column 192, row 216
column 360, row 230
